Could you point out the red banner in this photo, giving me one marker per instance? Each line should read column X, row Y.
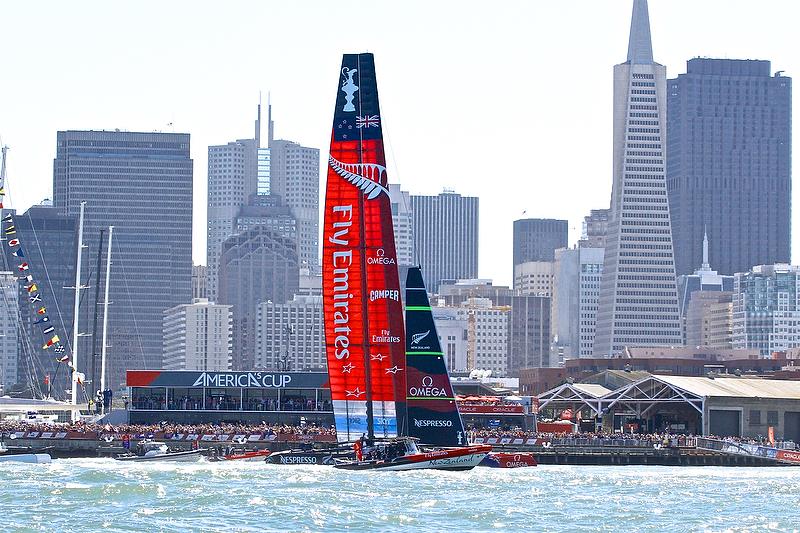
column 491, row 409
column 789, row 456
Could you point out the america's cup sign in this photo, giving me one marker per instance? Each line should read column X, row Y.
column 242, row 379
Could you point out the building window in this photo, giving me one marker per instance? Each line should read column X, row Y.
column 755, row 417
column 772, row 418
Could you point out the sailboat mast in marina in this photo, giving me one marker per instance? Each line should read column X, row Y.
column 364, row 334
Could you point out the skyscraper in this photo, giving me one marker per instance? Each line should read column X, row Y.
column 141, row 183
column 256, row 265
column 294, row 176
column 9, row 361
column 290, row 335
column 197, row 336
column 729, row 137
column 232, row 179
column 638, row 303
column 536, row 239
column 446, row 237
column 403, row 223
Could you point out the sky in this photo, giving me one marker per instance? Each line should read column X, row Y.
column 510, row 101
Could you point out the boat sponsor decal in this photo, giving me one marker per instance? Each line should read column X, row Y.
column 346, row 369
column 416, row 338
column 380, row 258
column 385, row 336
column 368, row 121
column 394, row 370
column 246, row 379
column 365, row 176
column 355, row 392
column 378, row 357
column 433, row 423
column 298, row 460
column 427, row 389
column 788, row 456
column 491, row 409
column 391, row 294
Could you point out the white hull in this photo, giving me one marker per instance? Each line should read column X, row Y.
column 463, row 462
column 42, row 458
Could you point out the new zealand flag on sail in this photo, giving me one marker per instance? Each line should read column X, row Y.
column 357, row 115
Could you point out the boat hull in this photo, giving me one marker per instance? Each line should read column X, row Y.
column 509, row 460
column 259, row 455
column 42, row 458
column 309, row 457
column 175, row 457
column 454, row 459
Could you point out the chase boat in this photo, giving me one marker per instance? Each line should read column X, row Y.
column 148, row 450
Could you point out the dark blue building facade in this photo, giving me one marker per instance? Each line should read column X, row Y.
column 140, row 183
column 729, row 164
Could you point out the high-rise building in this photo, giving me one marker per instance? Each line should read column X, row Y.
column 199, row 281
column 766, row 308
column 529, row 333
column 197, row 336
column 709, row 320
column 445, row 237
column 487, row 334
column 290, row 336
column 257, row 265
column 232, row 180
column 9, row 360
column 595, row 226
column 704, row 279
column 638, row 303
column 452, row 332
column 576, row 286
column 141, row 183
column 729, row 150
column 534, row 277
column 456, row 292
column 49, row 237
column 294, row 176
column 403, row 223
column 537, row 239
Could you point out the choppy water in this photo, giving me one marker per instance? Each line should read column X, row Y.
column 95, row 494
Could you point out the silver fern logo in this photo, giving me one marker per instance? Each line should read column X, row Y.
column 416, row 338
column 365, row 176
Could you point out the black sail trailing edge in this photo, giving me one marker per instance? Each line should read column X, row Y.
column 433, row 415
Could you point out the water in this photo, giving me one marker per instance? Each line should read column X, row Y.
column 93, row 494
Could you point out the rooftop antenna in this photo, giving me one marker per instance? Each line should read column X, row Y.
column 270, row 124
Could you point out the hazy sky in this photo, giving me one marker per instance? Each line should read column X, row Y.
column 506, row 100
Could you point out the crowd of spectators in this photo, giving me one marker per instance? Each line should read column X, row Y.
column 9, row 427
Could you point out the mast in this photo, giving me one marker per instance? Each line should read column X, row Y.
column 96, row 306
column 105, row 313
column 76, row 312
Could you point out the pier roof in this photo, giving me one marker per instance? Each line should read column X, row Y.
column 736, row 387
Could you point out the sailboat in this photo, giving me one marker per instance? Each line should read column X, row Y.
column 364, row 330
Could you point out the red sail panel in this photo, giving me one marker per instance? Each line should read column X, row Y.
column 361, row 290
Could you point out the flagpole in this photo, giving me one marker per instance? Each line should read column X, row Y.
column 76, row 312
column 105, row 313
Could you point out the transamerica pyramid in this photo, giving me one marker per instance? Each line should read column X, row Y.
column 638, row 302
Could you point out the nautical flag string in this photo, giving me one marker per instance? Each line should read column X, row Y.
column 51, row 338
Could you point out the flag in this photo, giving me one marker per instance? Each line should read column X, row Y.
column 23, row 267
column 2, row 191
column 12, row 242
column 60, row 349
column 51, row 342
column 41, row 310
column 47, row 379
column 35, row 298
column 11, row 230
column 16, row 253
column 51, row 329
column 27, row 278
column 63, row 359
column 79, row 377
column 8, row 218
column 42, row 320
column 32, row 287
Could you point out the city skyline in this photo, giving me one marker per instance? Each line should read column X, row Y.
column 216, row 105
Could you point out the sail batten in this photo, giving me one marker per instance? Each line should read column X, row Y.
column 364, row 331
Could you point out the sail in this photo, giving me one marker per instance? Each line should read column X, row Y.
column 363, row 314
column 433, row 415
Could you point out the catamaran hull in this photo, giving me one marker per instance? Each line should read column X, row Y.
column 454, row 459
column 509, row 460
column 176, row 457
column 301, row 457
